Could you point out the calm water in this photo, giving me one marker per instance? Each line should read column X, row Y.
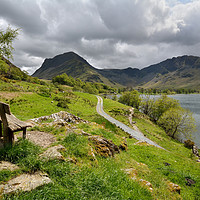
column 191, row 102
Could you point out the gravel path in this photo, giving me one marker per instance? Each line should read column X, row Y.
column 137, row 135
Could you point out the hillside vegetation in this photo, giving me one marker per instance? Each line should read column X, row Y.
column 176, row 73
column 139, row 171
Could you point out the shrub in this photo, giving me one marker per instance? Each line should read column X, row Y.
column 188, row 144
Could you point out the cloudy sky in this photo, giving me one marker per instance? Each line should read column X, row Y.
column 107, row 33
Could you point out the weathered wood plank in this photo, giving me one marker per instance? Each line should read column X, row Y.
column 10, row 124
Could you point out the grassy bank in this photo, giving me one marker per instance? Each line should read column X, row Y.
column 103, row 178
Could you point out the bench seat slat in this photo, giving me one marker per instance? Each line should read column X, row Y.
column 15, row 124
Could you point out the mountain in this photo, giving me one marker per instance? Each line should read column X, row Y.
column 178, row 72
column 71, row 64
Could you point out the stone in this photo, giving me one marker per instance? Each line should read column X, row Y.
column 104, row 147
column 86, row 134
column 189, row 181
column 92, row 155
column 8, row 166
column 132, row 173
column 53, row 153
column 147, row 184
column 61, row 116
column 72, row 160
column 123, row 146
column 143, row 143
column 166, row 164
column 195, row 151
column 174, row 187
column 25, row 182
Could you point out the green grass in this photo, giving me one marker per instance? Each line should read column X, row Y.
column 104, row 178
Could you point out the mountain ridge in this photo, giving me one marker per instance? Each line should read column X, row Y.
column 182, row 68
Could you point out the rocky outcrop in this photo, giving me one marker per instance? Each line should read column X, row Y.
column 132, row 173
column 61, row 117
column 25, row 182
column 195, row 151
column 8, row 166
column 53, row 153
column 104, row 147
column 146, row 184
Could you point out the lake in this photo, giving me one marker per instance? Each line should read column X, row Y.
column 188, row 101
column 191, row 102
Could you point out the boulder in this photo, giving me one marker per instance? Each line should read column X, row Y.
column 8, row 166
column 53, row 153
column 104, row 147
column 25, row 182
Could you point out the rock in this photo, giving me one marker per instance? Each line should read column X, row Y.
column 166, row 164
column 195, row 151
column 25, row 182
column 86, row 134
column 174, row 187
column 132, row 173
column 8, row 166
column 61, row 116
column 190, row 182
column 141, row 164
column 147, row 184
column 143, row 143
column 72, row 160
column 104, row 147
column 92, row 154
column 123, row 146
column 53, row 153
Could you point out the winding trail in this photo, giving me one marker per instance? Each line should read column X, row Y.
column 137, row 135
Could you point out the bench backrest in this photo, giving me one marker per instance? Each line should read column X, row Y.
column 4, row 107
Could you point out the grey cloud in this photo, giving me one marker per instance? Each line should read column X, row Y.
column 111, row 34
column 23, row 14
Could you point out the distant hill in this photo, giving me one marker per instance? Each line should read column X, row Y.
column 9, row 70
column 179, row 72
column 73, row 65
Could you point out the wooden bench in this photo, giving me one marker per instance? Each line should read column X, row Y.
column 10, row 124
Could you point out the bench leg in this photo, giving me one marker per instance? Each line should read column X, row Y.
column 1, row 129
column 24, row 133
column 8, row 137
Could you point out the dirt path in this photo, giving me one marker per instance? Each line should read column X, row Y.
column 39, row 138
column 136, row 134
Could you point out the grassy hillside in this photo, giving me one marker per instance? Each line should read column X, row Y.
column 120, row 177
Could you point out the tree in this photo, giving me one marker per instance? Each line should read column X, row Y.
column 131, row 99
column 147, row 105
column 177, row 121
column 161, row 105
column 6, row 39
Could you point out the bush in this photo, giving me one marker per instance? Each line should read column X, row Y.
column 131, row 99
column 188, row 144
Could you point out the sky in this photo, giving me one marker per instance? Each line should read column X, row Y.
column 107, row 33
